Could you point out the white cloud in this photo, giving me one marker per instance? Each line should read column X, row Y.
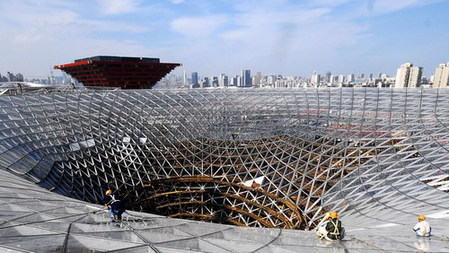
column 112, row 26
column 263, row 35
column 198, row 26
column 329, row 3
column 54, row 32
column 234, row 34
column 61, row 17
column 113, row 7
column 386, row 6
column 266, row 38
column 261, row 18
column 27, row 38
column 381, row 7
column 49, row 21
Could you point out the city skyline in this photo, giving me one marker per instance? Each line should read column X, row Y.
column 279, row 37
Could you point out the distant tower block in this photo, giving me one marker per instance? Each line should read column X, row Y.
column 442, row 76
column 115, row 71
column 408, row 76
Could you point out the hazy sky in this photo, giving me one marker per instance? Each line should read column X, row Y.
column 225, row 36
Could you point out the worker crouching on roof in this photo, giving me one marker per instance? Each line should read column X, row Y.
column 422, row 228
column 113, row 202
column 331, row 229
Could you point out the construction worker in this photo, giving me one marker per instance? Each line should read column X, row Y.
column 332, row 229
column 422, row 228
column 113, row 203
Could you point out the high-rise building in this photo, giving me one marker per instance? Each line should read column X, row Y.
column 3, row 78
column 172, row 80
column 332, row 79
column 271, row 79
column 246, row 78
column 328, row 77
column 233, row 81
column 10, row 76
column 205, row 82
column 408, row 76
column 184, row 78
column 341, row 79
column 19, row 77
column 257, row 79
column 441, row 78
column 415, row 76
column 315, row 79
column 195, row 79
column 350, row 78
column 223, row 81
column 239, row 81
column 214, row 81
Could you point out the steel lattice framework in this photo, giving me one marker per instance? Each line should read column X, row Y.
column 250, row 157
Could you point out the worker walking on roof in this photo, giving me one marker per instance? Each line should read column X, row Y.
column 113, row 202
column 331, row 229
column 422, row 228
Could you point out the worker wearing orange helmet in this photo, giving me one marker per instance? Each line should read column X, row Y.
column 331, row 229
column 422, row 228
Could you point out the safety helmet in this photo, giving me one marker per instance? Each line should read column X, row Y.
column 108, row 192
column 333, row 214
column 421, row 217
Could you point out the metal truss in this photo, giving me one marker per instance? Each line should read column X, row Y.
column 250, row 157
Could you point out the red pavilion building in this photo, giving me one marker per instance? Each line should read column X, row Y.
column 116, row 71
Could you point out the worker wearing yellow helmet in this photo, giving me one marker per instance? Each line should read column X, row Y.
column 333, row 214
column 113, row 202
column 330, row 228
column 422, row 228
